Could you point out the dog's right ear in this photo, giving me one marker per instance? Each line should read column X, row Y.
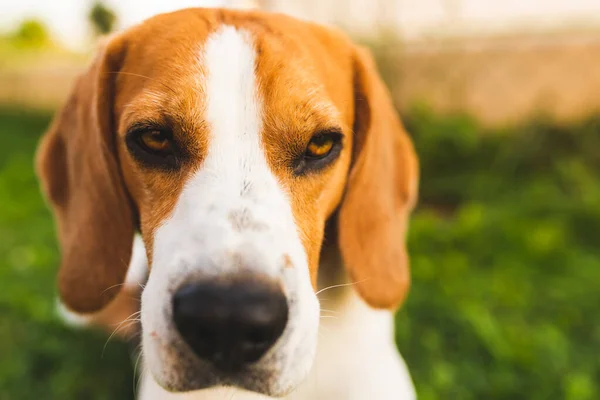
column 80, row 174
column 381, row 192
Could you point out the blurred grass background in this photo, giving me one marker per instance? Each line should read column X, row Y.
column 40, row 358
column 505, row 261
column 504, row 244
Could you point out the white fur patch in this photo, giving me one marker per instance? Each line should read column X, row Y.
column 70, row 317
column 231, row 217
column 137, row 273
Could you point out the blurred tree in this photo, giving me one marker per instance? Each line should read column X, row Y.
column 32, row 33
column 103, row 19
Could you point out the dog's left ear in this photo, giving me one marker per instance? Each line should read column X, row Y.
column 81, row 177
column 381, row 191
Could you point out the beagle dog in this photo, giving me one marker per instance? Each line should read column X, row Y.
column 262, row 163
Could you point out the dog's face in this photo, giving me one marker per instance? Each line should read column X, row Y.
column 229, row 139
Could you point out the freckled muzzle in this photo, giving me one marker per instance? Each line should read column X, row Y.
column 230, row 322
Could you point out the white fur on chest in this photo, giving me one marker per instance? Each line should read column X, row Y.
column 356, row 360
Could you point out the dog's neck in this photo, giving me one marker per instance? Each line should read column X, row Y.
column 356, row 356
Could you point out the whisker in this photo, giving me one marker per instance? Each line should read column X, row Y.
column 338, row 286
column 136, row 379
column 134, row 314
column 331, row 311
column 135, row 298
column 129, row 320
column 134, row 335
column 113, row 286
column 117, row 329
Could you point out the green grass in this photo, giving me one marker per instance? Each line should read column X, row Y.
column 506, row 286
column 39, row 357
column 505, row 260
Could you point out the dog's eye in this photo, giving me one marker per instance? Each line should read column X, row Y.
column 319, row 146
column 322, row 149
column 154, row 147
column 155, row 141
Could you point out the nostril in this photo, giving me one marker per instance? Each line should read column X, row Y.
column 230, row 322
column 258, row 337
column 255, row 344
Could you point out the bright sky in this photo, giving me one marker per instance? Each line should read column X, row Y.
column 67, row 19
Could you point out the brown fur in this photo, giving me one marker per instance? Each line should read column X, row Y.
column 382, row 190
column 80, row 172
column 310, row 78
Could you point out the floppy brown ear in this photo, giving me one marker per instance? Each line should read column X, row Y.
column 81, row 177
column 381, row 191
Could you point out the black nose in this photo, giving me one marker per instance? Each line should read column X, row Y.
column 230, row 323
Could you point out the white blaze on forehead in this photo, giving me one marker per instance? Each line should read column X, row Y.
column 233, row 203
column 231, row 215
column 233, row 107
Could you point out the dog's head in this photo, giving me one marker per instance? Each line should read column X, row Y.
column 228, row 140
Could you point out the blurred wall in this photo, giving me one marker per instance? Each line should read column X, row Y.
column 416, row 19
column 500, row 61
column 502, row 80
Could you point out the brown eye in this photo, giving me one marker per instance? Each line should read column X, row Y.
column 155, row 141
column 319, row 146
column 322, row 150
column 154, row 147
